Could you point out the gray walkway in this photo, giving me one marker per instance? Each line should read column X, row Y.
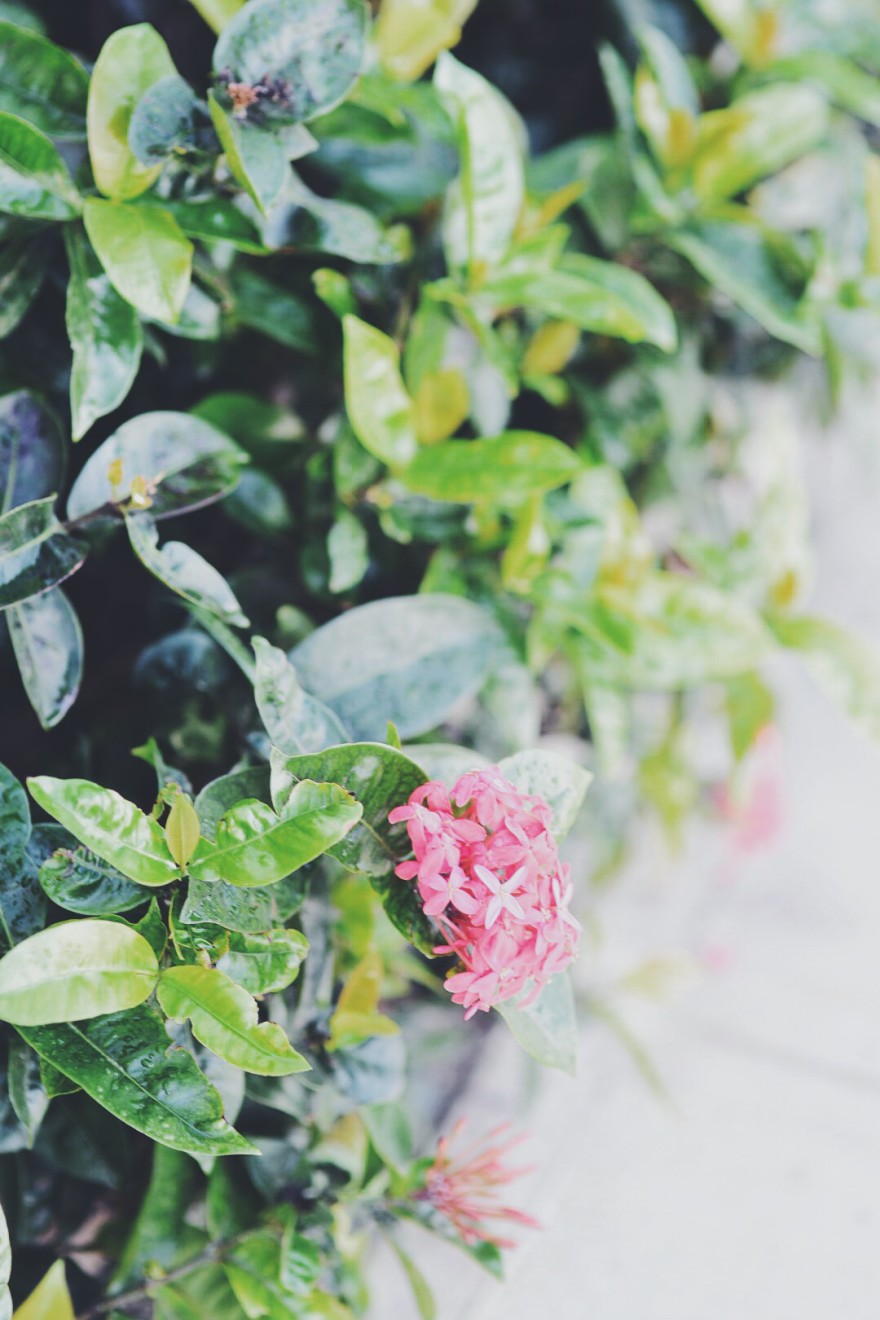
column 753, row 1191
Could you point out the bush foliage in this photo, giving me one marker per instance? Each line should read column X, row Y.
column 458, row 411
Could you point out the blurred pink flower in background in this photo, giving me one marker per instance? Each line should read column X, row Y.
column 464, row 1188
column 488, row 872
column 756, row 809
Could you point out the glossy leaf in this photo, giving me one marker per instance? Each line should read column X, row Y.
column 223, row 1016
column 75, row 879
column 31, row 450
column 50, row 1300
column 130, row 62
column 125, row 1063
column 295, row 721
column 168, row 121
column 408, row 659
column 245, row 911
column 182, row 830
column 115, row 830
column 755, row 136
column 146, row 255
column 22, row 901
column 264, row 962
column 254, row 846
column 255, row 156
column 217, row 220
column 22, row 272
column 560, row 782
column 218, row 796
column 547, row 1028
column 378, row 776
column 184, row 570
column 35, row 552
column 312, row 49
column 42, row 83
column 34, row 181
column 378, row 406
column 304, row 220
column 410, row 37
column 48, row 643
column 105, row 335
column 183, row 461
column 483, row 211
column 75, row 970
column 505, row 469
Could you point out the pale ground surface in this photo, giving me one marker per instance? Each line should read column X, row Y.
column 753, row 1191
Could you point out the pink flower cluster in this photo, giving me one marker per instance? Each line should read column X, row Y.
column 464, row 1188
column 489, row 873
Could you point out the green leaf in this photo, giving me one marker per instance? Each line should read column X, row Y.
column 27, row 1093
column 22, row 270
column 560, row 782
column 217, row 13
column 348, row 553
column 5, row 1268
column 410, row 37
column 254, row 846
column 115, row 830
column 130, row 61
column 311, row 50
column 160, row 1235
column 311, row 223
column 483, row 209
column 846, row 83
column 846, row 666
column 408, row 659
column 271, row 310
column 218, row 796
column 600, row 296
column 183, row 570
column 15, row 819
column 48, row 643
column 182, row 830
column 170, row 121
column 264, row 962
column 224, row 1018
column 547, row 1028
column 147, row 257
column 42, row 83
column 379, row 777
column 50, row 1300
column 506, row 469
column 421, row 1289
column 75, row 879
column 35, row 552
column 34, row 181
column 185, row 463
column 201, row 1292
column 77, row 969
column 751, row 267
column 295, row 721
column 217, row 220
column 31, row 450
column 245, row 911
column 390, row 1134
column 105, row 335
column 255, row 156
column 378, row 406
column 125, row 1063
column 757, row 135
column 356, row 1017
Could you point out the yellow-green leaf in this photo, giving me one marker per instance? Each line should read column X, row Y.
column 411, row 33
column 379, row 408
column 357, row 1015
column 442, row 402
column 182, row 830
column 50, row 1300
column 130, row 62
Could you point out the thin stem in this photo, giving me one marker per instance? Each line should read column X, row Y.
column 215, row 1252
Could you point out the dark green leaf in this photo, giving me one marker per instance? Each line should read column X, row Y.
column 408, row 659
column 247, row 911
column 295, row 721
column 371, row 1073
column 160, row 1235
column 506, row 469
column 147, row 256
column 131, row 61
column 265, row 306
column 303, row 220
column 170, row 120
column 35, row 552
column 201, row 1292
column 105, row 335
column 307, row 52
column 31, row 450
column 75, row 879
column 48, row 644
column 22, row 901
column 217, row 220
column 125, row 1063
column 22, row 271
column 15, row 818
column 42, row 83
column 27, row 1092
column 34, row 180
column 182, row 569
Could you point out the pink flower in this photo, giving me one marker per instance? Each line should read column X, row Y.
column 757, row 812
column 465, row 1190
column 488, row 872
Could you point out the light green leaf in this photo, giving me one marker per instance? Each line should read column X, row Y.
column 846, row 666
column 313, row 48
column 224, row 1018
column 483, row 209
column 50, row 1300
column 409, row 37
column 295, row 721
column 42, row 83
column 28, row 1097
column 217, row 13
column 547, row 1028
column 560, row 782
column 254, row 154
column 146, row 255
column 105, row 335
column 757, row 135
column 378, row 406
column 130, row 61
column 408, row 659
column 34, row 181
column 183, row 461
column 849, row 86
column 35, row 552
column 506, row 469
column 356, row 1017
column 348, row 552
column 48, row 644
column 264, row 962
column 182, row 830
column 310, row 223
column 77, row 969
column 421, row 1289
column 183, row 570
column 125, row 1063
column 254, row 846
column 202, row 1292
column 109, row 826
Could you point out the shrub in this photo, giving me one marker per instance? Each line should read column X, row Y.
column 461, row 437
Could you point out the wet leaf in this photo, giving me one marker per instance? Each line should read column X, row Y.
column 264, row 962
column 295, row 721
